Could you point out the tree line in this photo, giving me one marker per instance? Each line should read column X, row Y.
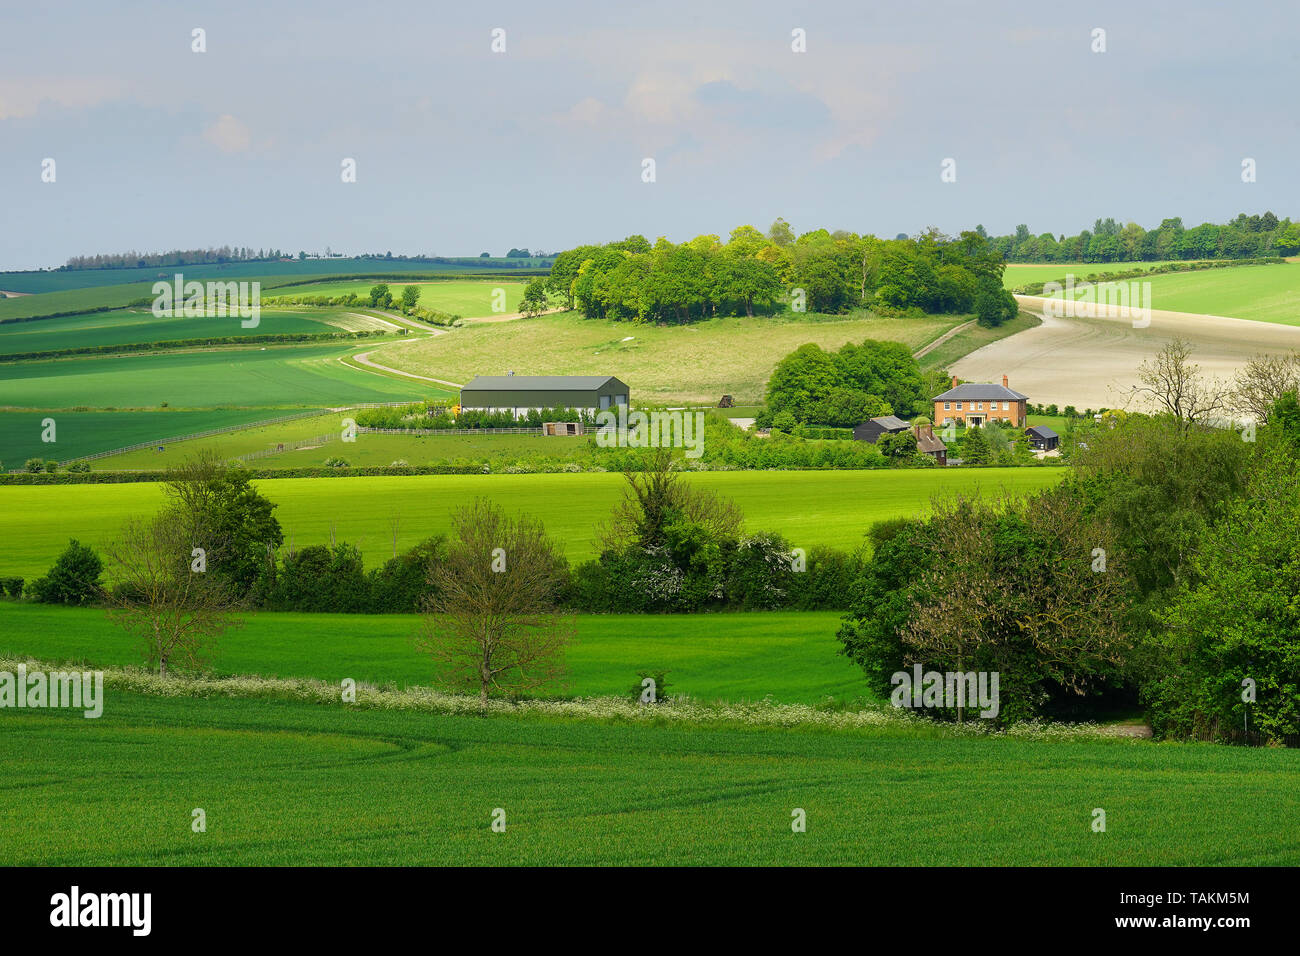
column 754, row 272
column 176, row 257
column 1245, row 237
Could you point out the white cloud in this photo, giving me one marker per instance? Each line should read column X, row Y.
column 24, row 96
column 228, row 134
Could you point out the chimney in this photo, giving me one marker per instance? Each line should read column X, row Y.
column 1004, row 382
column 954, row 381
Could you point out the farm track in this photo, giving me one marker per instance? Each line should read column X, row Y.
column 925, row 349
column 363, row 358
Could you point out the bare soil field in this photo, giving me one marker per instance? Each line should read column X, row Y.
column 1093, row 361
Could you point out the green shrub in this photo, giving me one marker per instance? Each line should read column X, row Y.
column 74, row 578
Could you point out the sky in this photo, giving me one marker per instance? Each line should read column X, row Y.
column 460, row 149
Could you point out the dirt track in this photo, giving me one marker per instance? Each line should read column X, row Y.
column 1092, row 362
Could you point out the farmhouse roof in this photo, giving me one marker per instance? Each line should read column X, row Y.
column 926, row 443
column 980, row 391
column 1042, row 431
column 891, row 423
column 547, row 383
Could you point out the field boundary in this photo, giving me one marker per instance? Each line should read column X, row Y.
column 676, row 710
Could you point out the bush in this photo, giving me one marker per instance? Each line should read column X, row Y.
column 73, row 580
column 79, row 467
column 34, row 466
column 640, row 692
column 12, row 586
column 337, row 463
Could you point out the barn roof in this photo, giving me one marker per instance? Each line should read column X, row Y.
column 1042, row 431
column 891, row 423
column 979, row 391
column 545, row 383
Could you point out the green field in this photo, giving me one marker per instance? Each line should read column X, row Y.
column 139, row 325
column 833, row 508
column 1020, row 273
column 1269, row 293
column 367, row 450
column 297, row 783
column 268, row 273
column 276, row 375
column 697, row 363
column 464, row 297
column 791, row 656
column 79, row 433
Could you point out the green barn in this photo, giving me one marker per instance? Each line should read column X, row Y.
column 520, row 394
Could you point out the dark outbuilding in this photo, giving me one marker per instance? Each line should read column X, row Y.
column 884, row 425
column 1042, row 438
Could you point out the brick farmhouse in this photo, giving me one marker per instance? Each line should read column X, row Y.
column 976, row 404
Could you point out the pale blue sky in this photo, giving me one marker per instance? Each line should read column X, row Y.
column 460, row 150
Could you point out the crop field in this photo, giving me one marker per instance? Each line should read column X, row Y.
column 368, row 450
column 268, row 273
column 1269, row 293
column 79, row 433
column 70, row 300
column 790, row 656
column 834, row 508
column 698, row 363
column 140, row 325
column 1020, row 273
column 464, row 297
column 1092, row 362
column 292, row 783
column 274, row 375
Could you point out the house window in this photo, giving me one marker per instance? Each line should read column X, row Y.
column 947, row 406
column 1005, row 406
column 959, row 406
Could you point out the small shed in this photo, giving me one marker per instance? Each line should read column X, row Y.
column 562, row 428
column 1042, row 438
column 884, row 425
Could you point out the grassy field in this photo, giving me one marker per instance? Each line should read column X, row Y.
column 368, row 449
column 833, row 507
column 464, row 297
column 1268, row 293
column 1020, row 273
column 139, row 325
column 277, row 375
column 295, row 783
column 697, row 363
column 792, row 657
column 975, row 337
column 87, row 433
